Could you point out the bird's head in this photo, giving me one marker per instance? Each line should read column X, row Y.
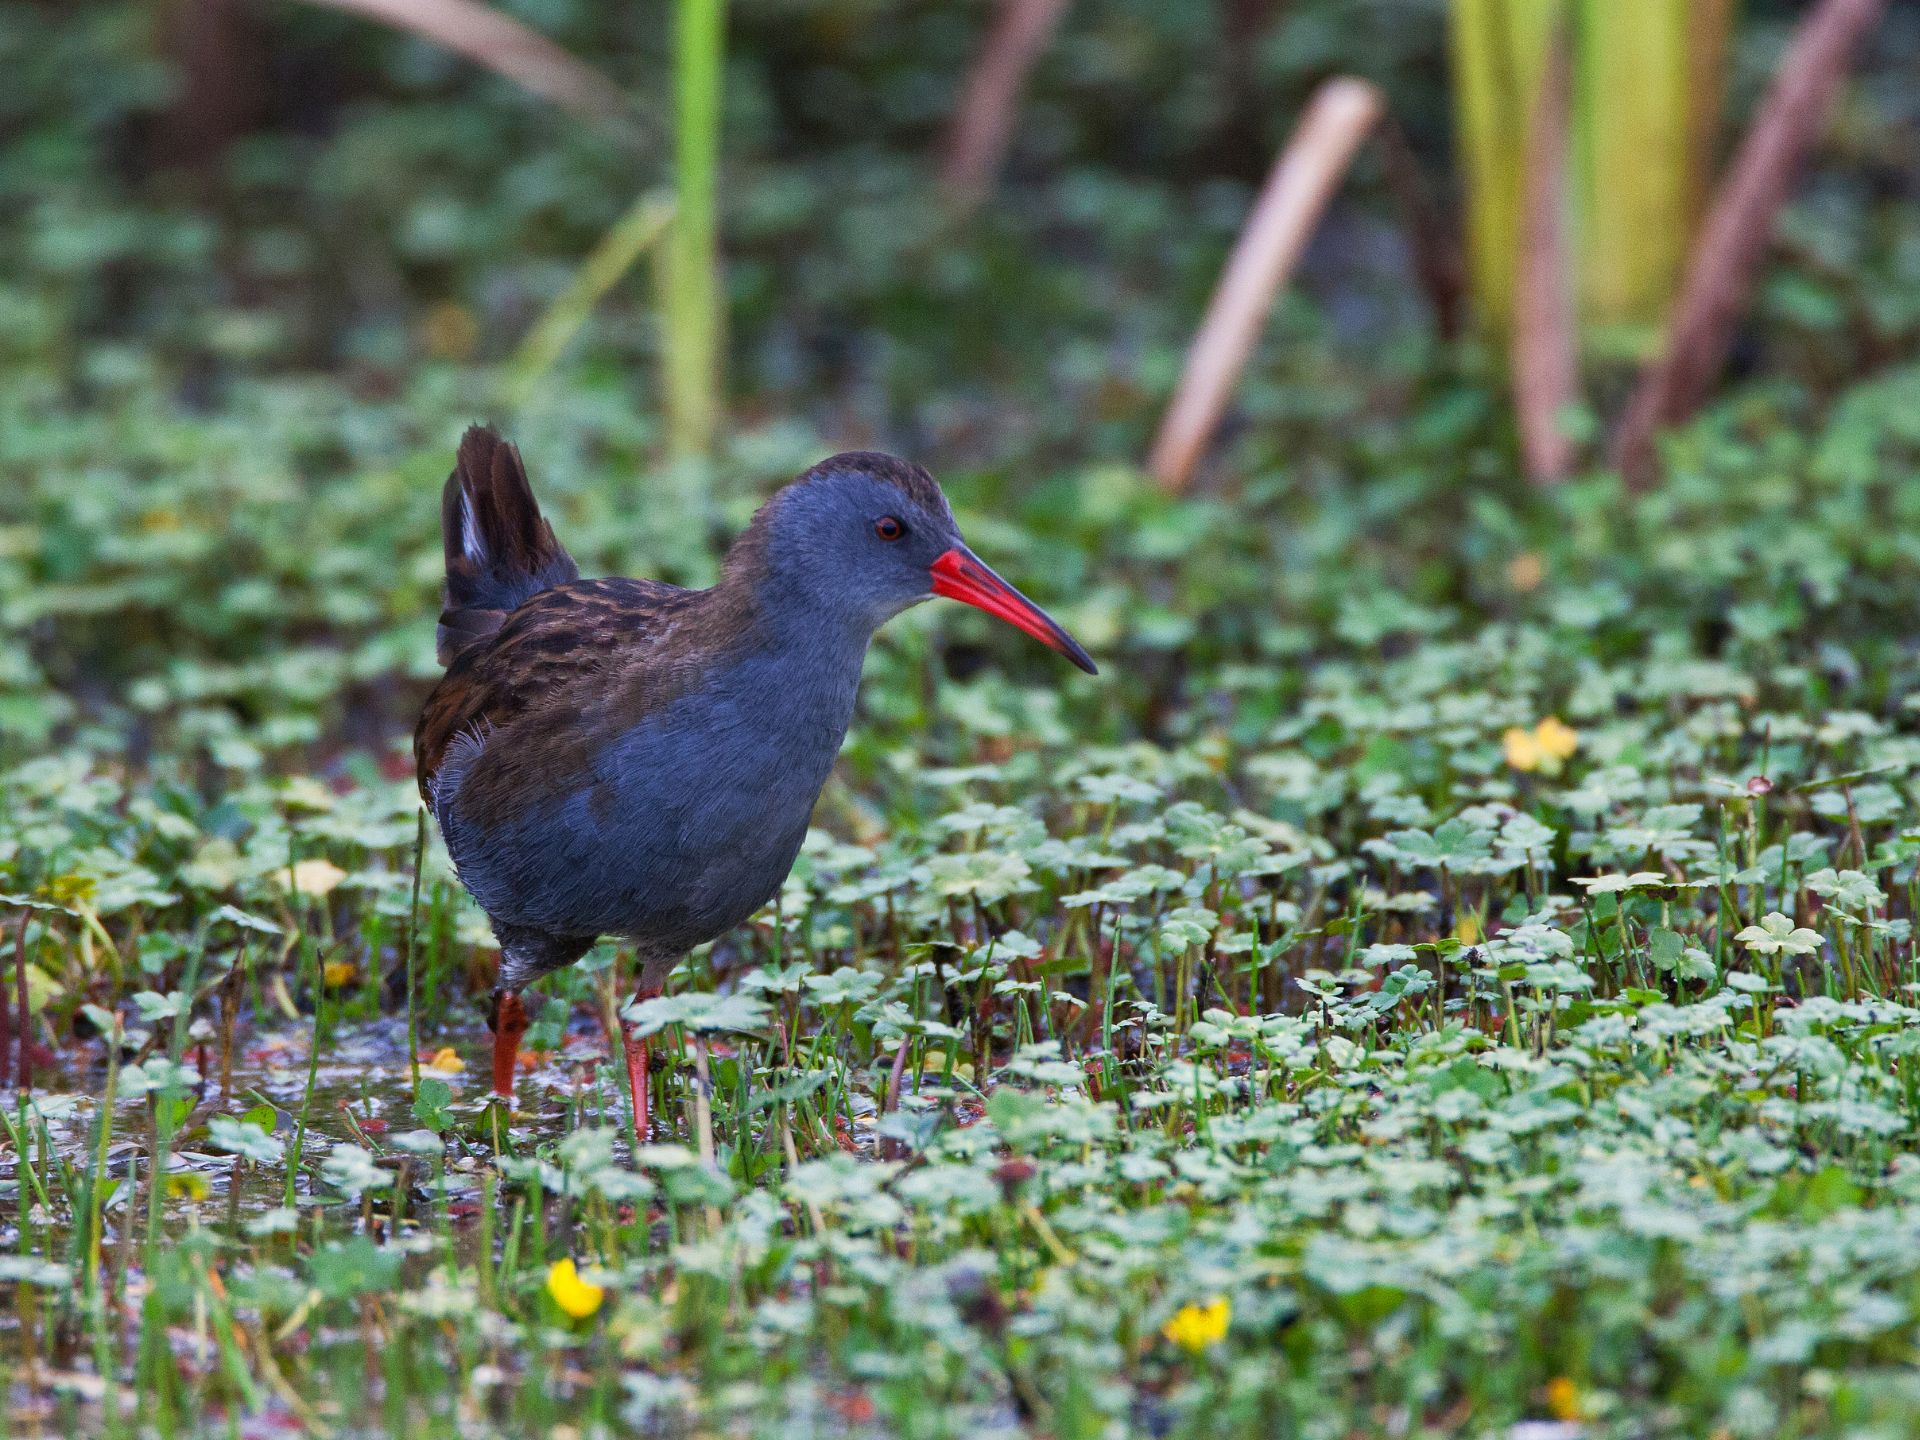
column 862, row 536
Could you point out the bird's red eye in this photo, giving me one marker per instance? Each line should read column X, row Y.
column 888, row 528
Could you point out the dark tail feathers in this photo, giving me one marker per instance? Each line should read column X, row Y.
column 499, row 549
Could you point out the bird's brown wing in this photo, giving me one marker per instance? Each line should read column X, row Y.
column 556, row 654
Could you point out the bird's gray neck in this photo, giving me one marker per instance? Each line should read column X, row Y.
column 809, row 654
column 797, row 615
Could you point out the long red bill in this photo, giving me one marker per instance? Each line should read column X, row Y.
column 960, row 575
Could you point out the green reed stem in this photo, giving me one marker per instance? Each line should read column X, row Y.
column 690, row 297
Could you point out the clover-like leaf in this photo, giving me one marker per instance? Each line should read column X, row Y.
column 245, row 1139
column 697, row 1010
column 1777, row 935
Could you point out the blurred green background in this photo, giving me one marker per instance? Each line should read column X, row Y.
column 260, row 263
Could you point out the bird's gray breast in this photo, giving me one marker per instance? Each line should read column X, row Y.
column 687, row 822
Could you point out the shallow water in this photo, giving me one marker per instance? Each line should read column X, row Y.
column 361, row 1095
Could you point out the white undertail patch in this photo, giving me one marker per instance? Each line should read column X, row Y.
column 470, row 530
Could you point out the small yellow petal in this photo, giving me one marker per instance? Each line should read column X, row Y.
column 579, row 1298
column 338, row 972
column 1195, row 1328
column 65, row 889
column 447, row 1061
column 1467, row 932
column 312, row 877
column 190, row 1184
column 1564, row 1399
column 1523, row 750
column 1556, row 739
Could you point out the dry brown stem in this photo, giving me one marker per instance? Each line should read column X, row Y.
column 1336, row 120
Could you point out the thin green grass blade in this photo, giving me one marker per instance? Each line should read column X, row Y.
column 630, row 237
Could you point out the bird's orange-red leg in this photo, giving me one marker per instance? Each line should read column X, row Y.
column 639, row 1082
column 509, row 1024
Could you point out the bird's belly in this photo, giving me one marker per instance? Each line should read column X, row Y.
column 686, row 825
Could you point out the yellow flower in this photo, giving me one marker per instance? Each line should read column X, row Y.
column 447, row 1061
column 1523, row 751
column 67, row 889
column 188, row 1183
column 1565, row 1400
column 1195, row 1328
column 1467, row 932
column 572, row 1294
column 312, row 877
column 1556, row 739
column 1541, row 748
column 338, row 972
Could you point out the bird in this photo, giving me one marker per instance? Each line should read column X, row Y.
column 628, row 758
